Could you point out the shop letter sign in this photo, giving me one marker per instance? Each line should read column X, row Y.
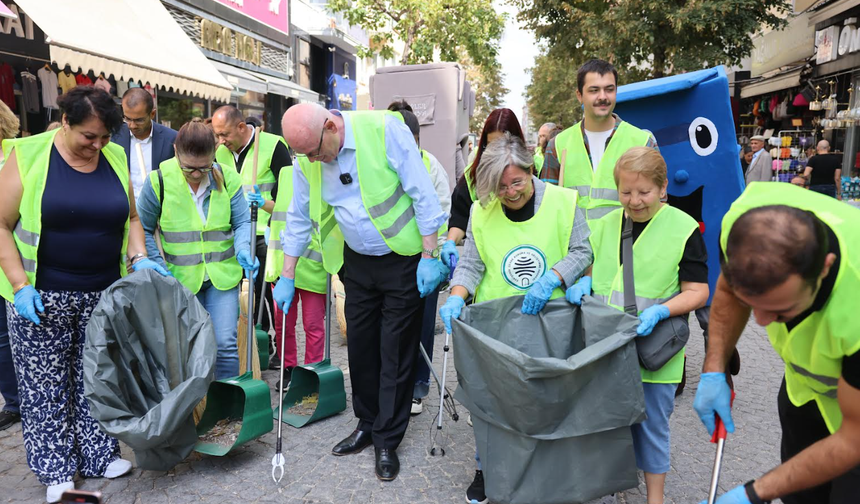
column 222, row 39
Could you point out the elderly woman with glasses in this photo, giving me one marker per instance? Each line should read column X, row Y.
column 205, row 228
column 523, row 237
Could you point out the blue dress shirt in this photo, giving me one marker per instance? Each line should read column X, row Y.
column 349, row 211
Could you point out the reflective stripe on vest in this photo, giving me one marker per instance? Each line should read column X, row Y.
column 194, row 250
column 516, row 254
column 814, row 349
column 656, row 254
column 265, row 175
column 33, row 156
column 598, row 194
column 387, row 204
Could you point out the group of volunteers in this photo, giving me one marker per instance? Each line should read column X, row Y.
column 352, row 193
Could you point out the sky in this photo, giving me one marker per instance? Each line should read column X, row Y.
column 518, row 52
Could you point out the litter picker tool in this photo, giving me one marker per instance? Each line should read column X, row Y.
column 278, row 459
column 443, row 397
column 719, row 438
column 261, row 335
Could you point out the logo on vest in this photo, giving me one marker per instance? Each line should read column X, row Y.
column 523, row 265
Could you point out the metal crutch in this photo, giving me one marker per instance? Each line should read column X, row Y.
column 719, row 438
column 278, row 459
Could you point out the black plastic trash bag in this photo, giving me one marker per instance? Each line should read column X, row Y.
column 552, row 398
column 148, row 360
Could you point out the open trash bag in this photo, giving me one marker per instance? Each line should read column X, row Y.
column 552, row 398
column 148, row 360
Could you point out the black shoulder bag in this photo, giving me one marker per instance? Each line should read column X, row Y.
column 669, row 336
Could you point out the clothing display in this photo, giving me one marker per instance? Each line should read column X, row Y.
column 102, row 84
column 7, row 81
column 83, row 80
column 67, row 81
column 30, row 92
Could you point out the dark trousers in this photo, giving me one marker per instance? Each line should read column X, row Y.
column 8, row 380
column 828, row 189
column 258, row 284
column 383, row 320
column 802, row 427
column 428, row 335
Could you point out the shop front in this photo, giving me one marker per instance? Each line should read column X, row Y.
column 45, row 53
column 249, row 44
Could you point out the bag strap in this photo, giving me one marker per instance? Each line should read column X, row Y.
column 160, row 187
column 627, row 260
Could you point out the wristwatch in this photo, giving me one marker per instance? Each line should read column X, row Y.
column 434, row 253
column 753, row 497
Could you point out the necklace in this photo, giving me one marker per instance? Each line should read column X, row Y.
column 69, row 154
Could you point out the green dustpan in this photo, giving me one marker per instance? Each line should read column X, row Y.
column 319, row 378
column 241, row 397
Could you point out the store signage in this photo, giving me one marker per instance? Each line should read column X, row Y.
column 21, row 36
column 778, row 48
column 20, row 26
column 272, row 13
column 218, row 38
column 835, row 41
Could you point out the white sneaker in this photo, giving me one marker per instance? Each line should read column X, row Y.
column 117, row 468
column 417, row 407
column 469, row 420
column 55, row 492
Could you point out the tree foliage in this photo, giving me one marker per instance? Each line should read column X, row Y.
column 464, row 31
column 658, row 37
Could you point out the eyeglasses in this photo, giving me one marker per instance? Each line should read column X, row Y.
column 519, row 184
column 136, row 120
column 202, row 169
column 319, row 147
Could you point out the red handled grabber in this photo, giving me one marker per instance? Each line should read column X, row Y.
column 719, row 438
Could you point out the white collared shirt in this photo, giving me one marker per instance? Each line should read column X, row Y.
column 138, row 173
column 200, row 196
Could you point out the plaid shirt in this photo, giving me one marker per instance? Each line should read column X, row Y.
column 552, row 166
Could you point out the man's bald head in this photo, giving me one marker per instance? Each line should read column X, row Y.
column 823, row 147
column 767, row 245
column 302, row 125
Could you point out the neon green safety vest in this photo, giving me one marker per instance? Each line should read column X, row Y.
column 538, row 157
column 310, row 274
column 813, row 350
column 656, row 254
column 467, row 175
column 265, row 175
column 516, row 254
column 598, row 194
column 33, row 155
column 389, row 207
column 443, row 231
column 193, row 249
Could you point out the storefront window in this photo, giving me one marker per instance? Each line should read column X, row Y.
column 253, row 105
column 174, row 112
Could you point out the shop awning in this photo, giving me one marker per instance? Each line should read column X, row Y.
column 290, row 89
column 131, row 39
column 777, row 82
column 241, row 79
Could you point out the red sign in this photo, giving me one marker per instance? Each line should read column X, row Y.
column 273, row 13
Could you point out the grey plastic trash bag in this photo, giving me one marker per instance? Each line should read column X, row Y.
column 552, row 398
column 148, row 360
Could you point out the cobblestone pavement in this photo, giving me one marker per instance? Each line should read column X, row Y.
column 313, row 475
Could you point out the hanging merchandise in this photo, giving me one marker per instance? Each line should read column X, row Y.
column 49, row 86
column 800, row 101
column 82, row 80
column 102, row 83
column 7, row 83
column 66, row 80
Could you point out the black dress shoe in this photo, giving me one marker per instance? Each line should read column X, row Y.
column 387, row 464
column 354, row 443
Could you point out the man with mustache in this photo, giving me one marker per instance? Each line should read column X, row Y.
column 583, row 156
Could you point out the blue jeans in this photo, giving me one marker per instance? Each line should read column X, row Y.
column 223, row 307
column 428, row 334
column 8, row 380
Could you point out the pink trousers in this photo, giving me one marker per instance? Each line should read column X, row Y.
column 313, row 321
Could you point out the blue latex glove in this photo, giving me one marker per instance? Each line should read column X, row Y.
column 579, row 289
column 449, row 251
column 148, row 263
column 28, row 302
column 714, row 396
column 650, row 317
column 540, row 292
column 430, row 274
column 255, row 198
column 285, row 289
column 244, row 258
column 451, row 310
column 737, row 495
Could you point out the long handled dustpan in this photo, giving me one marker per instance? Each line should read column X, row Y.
column 242, row 397
column 261, row 335
column 316, row 390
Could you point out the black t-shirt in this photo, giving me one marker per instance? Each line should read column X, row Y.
column 694, row 263
column 280, row 157
column 523, row 214
column 824, row 167
column 461, row 204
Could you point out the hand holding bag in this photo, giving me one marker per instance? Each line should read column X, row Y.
column 669, row 336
